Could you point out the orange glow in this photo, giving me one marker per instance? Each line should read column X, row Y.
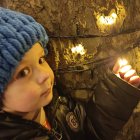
column 108, row 20
column 79, row 49
column 123, row 62
column 129, row 73
column 125, row 68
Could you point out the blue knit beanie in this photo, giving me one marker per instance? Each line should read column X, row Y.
column 18, row 33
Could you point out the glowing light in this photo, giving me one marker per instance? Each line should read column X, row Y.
column 129, row 73
column 108, row 20
column 79, row 49
column 123, row 62
column 125, row 68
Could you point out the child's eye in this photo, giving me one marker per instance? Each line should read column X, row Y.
column 42, row 59
column 24, row 72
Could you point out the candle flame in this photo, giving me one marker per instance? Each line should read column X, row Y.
column 123, row 62
column 79, row 49
column 108, row 20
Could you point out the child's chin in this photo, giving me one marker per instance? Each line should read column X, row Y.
column 49, row 99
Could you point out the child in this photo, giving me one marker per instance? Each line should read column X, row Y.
column 26, row 89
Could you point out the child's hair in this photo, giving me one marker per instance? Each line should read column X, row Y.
column 18, row 33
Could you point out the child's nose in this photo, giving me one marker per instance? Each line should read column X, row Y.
column 42, row 77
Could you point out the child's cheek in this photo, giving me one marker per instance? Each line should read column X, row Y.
column 28, row 91
column 32, row 93
column 52, row 77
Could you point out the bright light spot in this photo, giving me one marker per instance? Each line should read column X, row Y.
column 125, row 69
column 123, row 62
column 130, row 73
column 79, row 49
column 114, row 15
column 108, row 20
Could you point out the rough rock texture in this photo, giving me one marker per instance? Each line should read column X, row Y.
column 78, row 17
column 73, row 22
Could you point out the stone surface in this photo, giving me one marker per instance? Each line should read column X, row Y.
column 71, row 18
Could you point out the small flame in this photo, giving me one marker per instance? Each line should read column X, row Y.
column 79, row 49
column 123, row 62
column 108, row 20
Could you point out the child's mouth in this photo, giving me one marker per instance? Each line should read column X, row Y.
column 46, row 93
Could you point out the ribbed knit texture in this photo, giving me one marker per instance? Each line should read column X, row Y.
column 18, row 33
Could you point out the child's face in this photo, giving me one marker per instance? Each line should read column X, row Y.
column 31, row 85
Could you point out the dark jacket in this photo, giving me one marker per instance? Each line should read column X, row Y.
column 99, row 119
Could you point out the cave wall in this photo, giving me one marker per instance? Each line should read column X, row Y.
column 78, row 17
column 72, row 22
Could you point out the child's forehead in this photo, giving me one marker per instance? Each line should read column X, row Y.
column 30, row 57
column 36, row 49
